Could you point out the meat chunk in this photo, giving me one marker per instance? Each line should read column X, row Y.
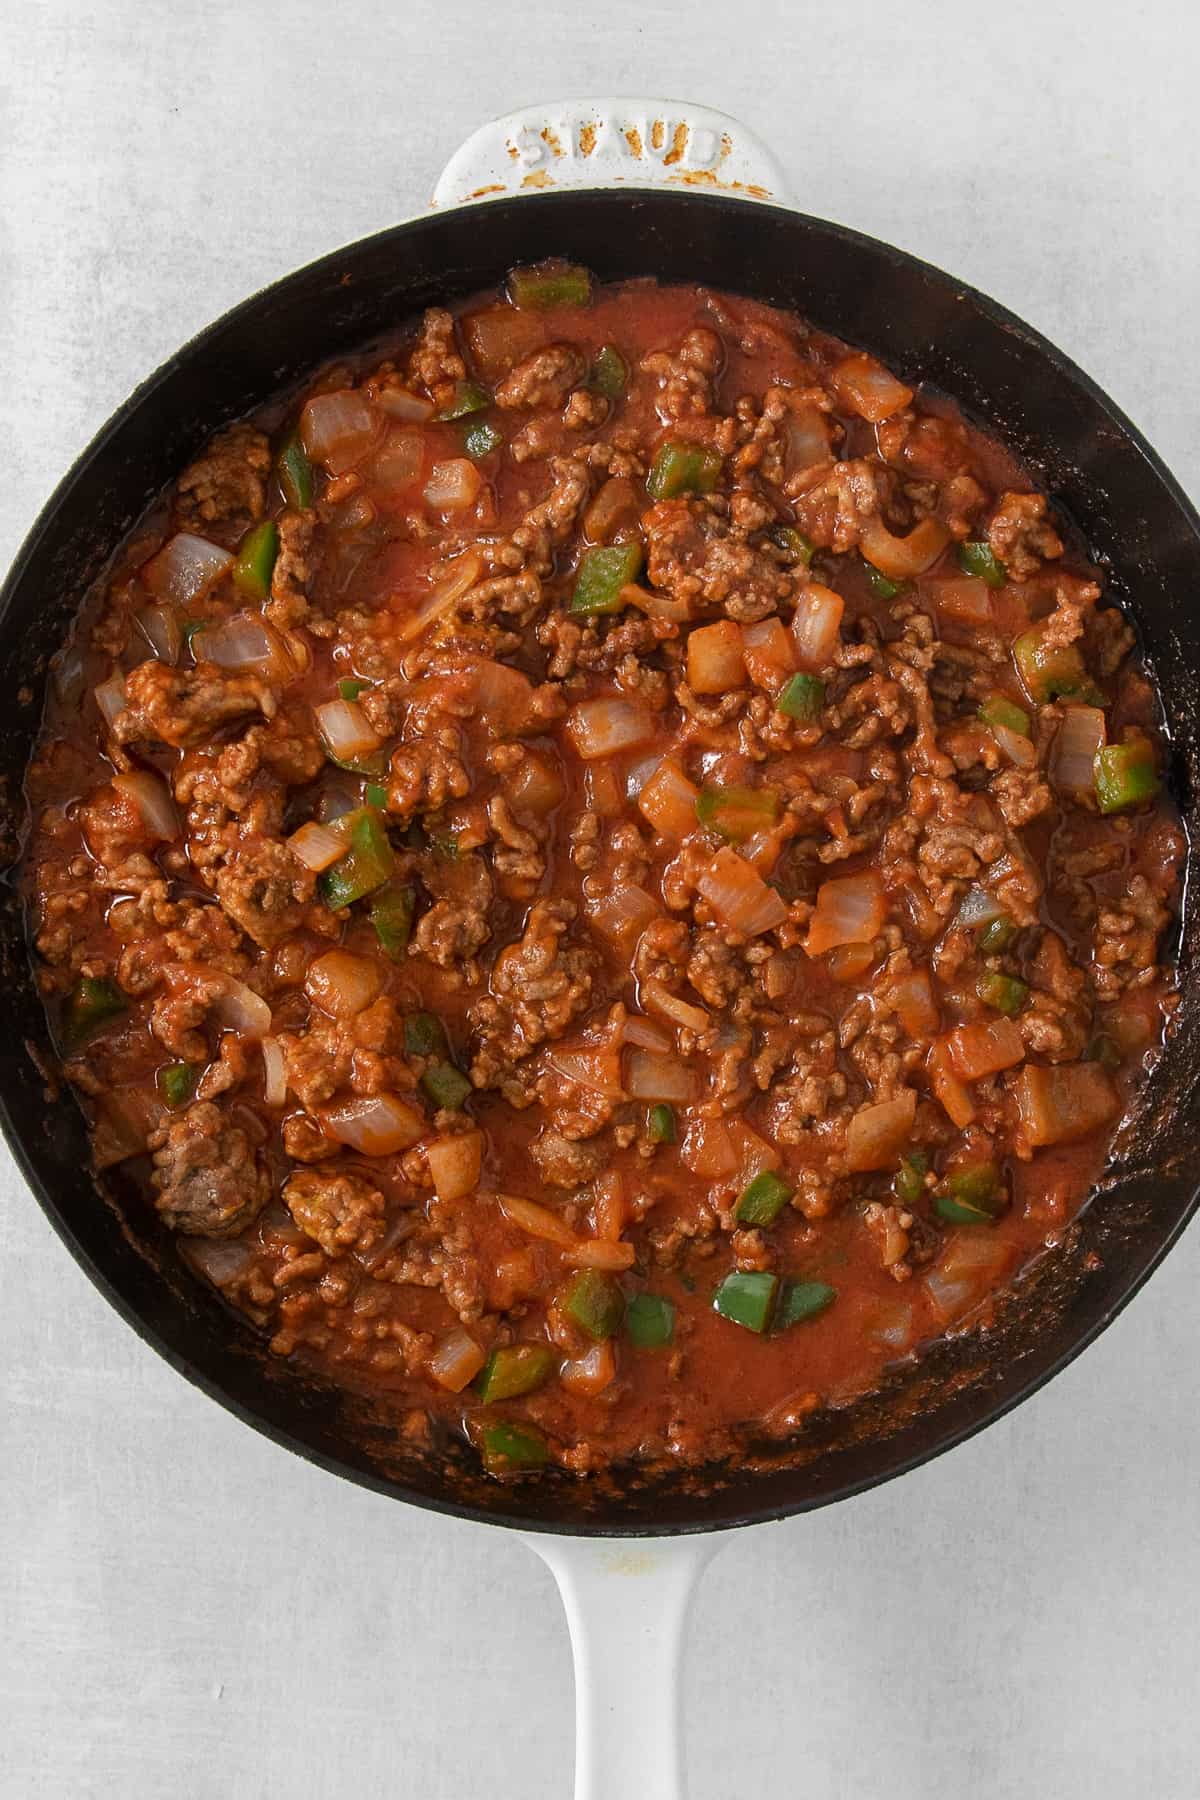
column 338, row 1210
column 1021, row 536
column 435, row 363
column 425, row 774
column 184, row 706
column 207, row 1174
column 227, row 485
column 538, row 986
column 265, row 889
column 836, row 505
column 542, row 380
column 692, row 555
column 687, row 376
column 288, row 602
column 562, row 1163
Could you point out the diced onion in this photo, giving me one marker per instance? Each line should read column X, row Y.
column 589, row 1066
column 402, row 403
column 1060, row 1104
column 401, row 460
column 912, row 997
column 659, row 998
column 815, row 626
column 535, row 786
column 379, row 1126
column 345, row 729
column 591, row 1374
column 1072, row 762
column 1016, row 746
column 668, row 800
column 877, row 1134
column 646, row 1034
column 850, row 910
column 902, row 558
column 963, row 597
column 457, row 577
column 715, row 663
column 622, row 915
column 455, row 1163
column 753, row 1152
column 806, row 439
column 708, row 1149
column 978, row 908
column 161, row 629
column 274, row 1073
column 984, row 1048
column 537, row 1220
column 152, row 798
column 891, row 1323
column 739, row 896
column 343, row 984
column 339, row 429
column 948, row 1089
column 455, row 1360
column 872, row 391
column 655, row 1077
column 220, row 1259
column 244, row 1011
column 245, row 641
column 969, row 1266
column 598, row 1253
column 604, row 727
column 453, row 485
column 770, row 653
column 185, row 568
column 110, row 697
column 316, row 846
column 504, row 696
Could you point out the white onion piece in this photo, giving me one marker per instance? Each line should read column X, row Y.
column 1081, row 734
column 646, row 1035
column 588, row 1067
column 621, row 915
column 457, row 577
column 150, row 795
column 274, row 1073
column 110, row 697
column 815, row 626
column 185, row 568
column 316, row 846
column 244, row 641
column 455, row 1163
column 219, row 1258
column 806, row 437
column 402, row 403
column 537, row 1220
column 339, row 429
column 242, row 1009
column 655, row 1077
column 401, row 459
column 456, row 1360
column 1016, row 746
column 453, row 485
column 602, row 727
column 657, row 996
column 638, row 774
column 379, row 1126
column 739, row 896
column 978, row 907
column 877, row 1134
column 161, row 629
column 343, row 984
column 345, row 729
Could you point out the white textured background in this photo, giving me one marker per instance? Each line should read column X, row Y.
column 185, row 1610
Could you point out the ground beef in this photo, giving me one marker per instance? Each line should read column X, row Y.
column 693, row 556
column 541, row 380
column 207, row 1175
column 565, row 1163
column 228, row 484
column 183, row 706
column 538, row 986
column 435, row 363
column 1021, row 536
column 337, row 1210
column 685, row 378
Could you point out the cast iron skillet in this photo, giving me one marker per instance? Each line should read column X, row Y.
column 1099, row 470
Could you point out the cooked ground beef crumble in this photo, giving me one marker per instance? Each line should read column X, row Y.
column 604, row 869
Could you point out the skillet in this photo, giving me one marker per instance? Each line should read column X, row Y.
column 698, row 226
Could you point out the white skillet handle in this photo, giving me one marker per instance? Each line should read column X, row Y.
column 633, row 142
column 627, row 1605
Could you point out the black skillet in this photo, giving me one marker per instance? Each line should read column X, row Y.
column 1099, row 471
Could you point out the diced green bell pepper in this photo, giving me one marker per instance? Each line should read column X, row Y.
column 595, row 1302
column 997, row 935
column 367, row 864
column 446, row 1086
column 551, row 284
column 1003, row 992
column 391, row 913
column 747, row 1298
column 997, row 710
column 93, row 1001
column 660, row 1124
column 602, row 575
column 794, row 542
column 1103, row 1050
column 468, row 397
column 762, row 1199
column 881, row 585
column 650, row 1321
column 909, row 1182
column 801, row 698
column 374, row 794
column 737, row 813
column 1126, row 775
column 978, row 559
column 481, row 438
column 1053, row 671
column 350, row 687
column 507, row 1447
column 295, row 473
column 177, row 1082
column 610, row 372
column 802, row 1300
column 970, row 1196
column 256, row 559
column 514, row 1369
column 425, row 1035
column 683, row 469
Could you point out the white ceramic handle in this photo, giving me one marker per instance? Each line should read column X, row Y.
column 627, row 1605
column 610, row 143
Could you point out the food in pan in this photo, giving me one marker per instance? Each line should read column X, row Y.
column 604, row 867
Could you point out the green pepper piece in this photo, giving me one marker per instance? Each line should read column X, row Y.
column 801, row 698
column 909, row 1182
column 1003, row 992
column 391, row 913
column 762, row 1199
column 978, row 559
column 802, row 1300
column 997, row 935
column 660, row 1124
column 788, row 538
column 1053, row 671
column 1103, row 1049
column 602, row 575
column 1126, row 775
column 507, row 1447
column 737, row 813
column 177, row 1082
column 970, row 1196
column 425, row 1035
column 446, row 1086
column 367, row 864
column 650, row 1321
column 93, row 1001
column 683, row 469
column 747, row 1298
column 295, row 473
column 880, row 585
column 468, row 397
column 481, row 438
column 350, row 687
column 997, row 710
column 256, row 559
column 549, row 284
column 514, row 1369
column 610, row 372
column 595, row 1302
column 375, row 795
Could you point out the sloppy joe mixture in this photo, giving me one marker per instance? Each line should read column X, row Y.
column 602, row 867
